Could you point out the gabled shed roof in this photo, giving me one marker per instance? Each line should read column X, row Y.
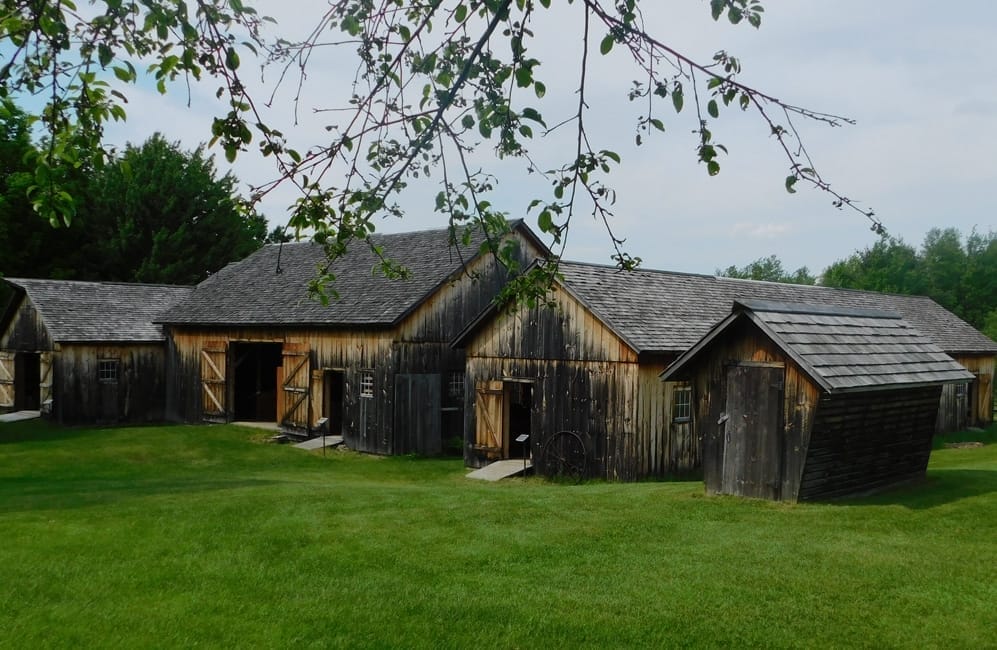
column 76, row 311
column 254, row 292
column 667, row 312
column 841, row 349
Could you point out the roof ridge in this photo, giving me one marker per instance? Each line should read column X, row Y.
column 102, row 282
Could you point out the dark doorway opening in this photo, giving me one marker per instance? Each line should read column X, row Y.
column 334, row 387
column 27, row 377
column 255, row 385
column 520, row 396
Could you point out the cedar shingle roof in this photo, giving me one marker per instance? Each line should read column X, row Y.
column 844, row 349
column 661, row 311
column 100, row 311
column 252, row 292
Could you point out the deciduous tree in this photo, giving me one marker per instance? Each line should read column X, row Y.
column 435, row 81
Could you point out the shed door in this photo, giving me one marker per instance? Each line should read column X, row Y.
column 45, row 382
column 6, row 379
column 213, row 392
column 417, row 413
column 295, row 377
column 752, row 458
column 490, row 415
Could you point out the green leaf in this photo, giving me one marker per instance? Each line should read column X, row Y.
column 468, row 121
column 460, row 13
column 656, row 123
column 713, row 168
column 712, row 109
column 231, row 59
column 790, row 182
column 539, row 89
column 717, row 8
column 607, row 44
column 545, row 221
column 524, row 76
column 677, row 98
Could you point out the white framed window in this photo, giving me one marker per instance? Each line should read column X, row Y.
column 682, row 403
column 455, row 384
column 367, row 383
column 107, row 370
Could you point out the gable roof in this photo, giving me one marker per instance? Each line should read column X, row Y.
column 841, row 349
column 254, row 292
column 661, row 311
column 667, row 312
column 76, row 311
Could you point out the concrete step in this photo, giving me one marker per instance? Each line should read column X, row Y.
column 500, row 469
column 318, row 443
column 17, row 416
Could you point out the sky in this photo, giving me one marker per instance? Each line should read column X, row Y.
column 918, row 78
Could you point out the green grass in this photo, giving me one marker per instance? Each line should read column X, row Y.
column 205, row 536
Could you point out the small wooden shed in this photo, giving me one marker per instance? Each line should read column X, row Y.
column 802, row 402
column 85, row 351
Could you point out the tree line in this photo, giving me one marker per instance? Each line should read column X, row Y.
column 152, row 213
column 957, row 271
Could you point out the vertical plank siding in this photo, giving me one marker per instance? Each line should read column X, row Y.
column 137, row 395
column 585, row 380
column 862, row 442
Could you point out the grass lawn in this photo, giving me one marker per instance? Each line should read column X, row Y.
column 204, row 536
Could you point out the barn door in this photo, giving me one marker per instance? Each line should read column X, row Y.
column 6, row 379
column 417, row 414
column 294, row 386
column 213, row 386
column 489, row 410
column 752, row 457
column 45, row 382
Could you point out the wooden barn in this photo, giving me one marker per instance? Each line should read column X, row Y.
column 373, row 365
column 584, row 374
column 84, row 352
column 800, row 402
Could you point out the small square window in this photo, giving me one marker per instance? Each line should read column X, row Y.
column 455, row 385
column 107, row 371
column 682, row 404
column 367, row 383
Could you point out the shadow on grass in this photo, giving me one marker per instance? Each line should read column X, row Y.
column 27, row 494
column 40, row 430
column 939, row 488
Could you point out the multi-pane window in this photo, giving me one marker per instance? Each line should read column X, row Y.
column 682, row 404
column 367, row 383
column 107, row 371
column 455, row 385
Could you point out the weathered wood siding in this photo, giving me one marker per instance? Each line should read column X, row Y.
column 586, row 380
column 863, row 442
column 26, row 331
column 461, row 298
column 799, row 401
column 968, row 405
column 138, row 394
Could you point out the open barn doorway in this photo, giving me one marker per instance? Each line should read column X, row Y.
column 27, row 389
column 255, row 381
column 333, row 392
column 504, row 422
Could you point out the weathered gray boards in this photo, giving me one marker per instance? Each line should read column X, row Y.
column 374, row 364
column 85, row 351
column 799, row 402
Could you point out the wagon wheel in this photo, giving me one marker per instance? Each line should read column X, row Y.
column 564, row 457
